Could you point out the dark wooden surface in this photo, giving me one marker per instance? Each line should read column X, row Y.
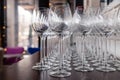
column 22, row 71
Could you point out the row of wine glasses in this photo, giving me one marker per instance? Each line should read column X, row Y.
column 94, row 36
column 58, row 21
column 102, row 29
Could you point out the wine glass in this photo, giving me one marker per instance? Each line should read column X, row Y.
column 97, row 42
column 75, row 22
column 84, row 66
column 83, row 28
column 40, row 25
column 116, row 23
column 60, row 20
column 106, row 30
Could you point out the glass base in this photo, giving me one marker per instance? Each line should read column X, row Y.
column 105, row 69
column 90, row 58
column 43, row 65
column 98, row 64
column 80, row 64
column 94, row 61
column 80, row 61
column 118, row 69
column 75, row 58
column 54, row 61
column 66, row 64
column 60, row 74
column 55, row 65
column 67, row 68
column 41, row 68
column 67, row 61
column 64, row 67
column 84, row 68
column 117, row 64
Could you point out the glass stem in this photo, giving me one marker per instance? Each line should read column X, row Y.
column 44, row 52
column 102, row 51
column 41, row 49
column 115, row 59
column 83, row 52
column 106, row 53
column 99, row 48
column 61, row 54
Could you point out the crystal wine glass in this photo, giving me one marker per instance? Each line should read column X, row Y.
column 40, row 25
column 60, row 20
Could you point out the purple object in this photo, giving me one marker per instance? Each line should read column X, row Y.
column 10, row 61
column 13, row 55
column 14, row 50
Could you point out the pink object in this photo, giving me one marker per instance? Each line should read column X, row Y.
column 14, row 50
